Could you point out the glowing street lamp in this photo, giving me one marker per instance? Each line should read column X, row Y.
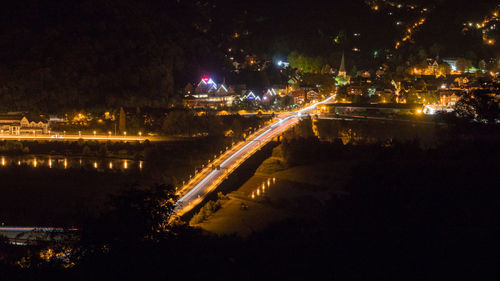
column 95, row 133
column 140, row 133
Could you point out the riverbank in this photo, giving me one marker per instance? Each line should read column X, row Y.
column 277, row 193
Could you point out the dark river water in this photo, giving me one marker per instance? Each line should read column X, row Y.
column 61, row 162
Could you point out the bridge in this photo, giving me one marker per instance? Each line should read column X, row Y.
column 208, row 179
column 76, row 137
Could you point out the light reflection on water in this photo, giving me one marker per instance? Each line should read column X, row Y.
column 56, row 162
column 261, row 189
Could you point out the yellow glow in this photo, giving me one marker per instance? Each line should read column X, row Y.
column 3, row 161
column 258, row 192
column 65, row 163
column 419, row 111
column 34, row 163
column 111, row 165
column 253, row 195
column 95, row 165
column 19, row 163
column 50, row 163
column 125, row 164
column 140, row 165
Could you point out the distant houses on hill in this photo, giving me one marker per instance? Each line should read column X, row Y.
column 209, row 94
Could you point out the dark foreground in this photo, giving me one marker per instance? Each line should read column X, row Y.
column 410, row 214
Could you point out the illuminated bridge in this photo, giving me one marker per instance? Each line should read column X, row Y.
column 209, row 179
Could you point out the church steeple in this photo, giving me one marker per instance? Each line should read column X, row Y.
column 342, row 71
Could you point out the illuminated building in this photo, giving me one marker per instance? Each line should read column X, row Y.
column 342, row 73
column 19, row 124
column 209, row 94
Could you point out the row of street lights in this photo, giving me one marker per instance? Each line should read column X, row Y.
column 109, row 133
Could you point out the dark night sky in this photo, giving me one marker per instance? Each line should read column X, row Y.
column 59, row 54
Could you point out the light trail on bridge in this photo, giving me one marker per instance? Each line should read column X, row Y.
column 208, row 179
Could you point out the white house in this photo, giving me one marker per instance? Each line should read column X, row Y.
column 20, row 124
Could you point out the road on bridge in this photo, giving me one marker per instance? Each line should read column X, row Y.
column 68, row 137
column 209, row 178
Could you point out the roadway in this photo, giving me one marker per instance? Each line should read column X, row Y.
column 46, row 137
column 209, row 178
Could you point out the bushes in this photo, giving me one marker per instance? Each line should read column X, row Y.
column 13, row 147
column 209, row 208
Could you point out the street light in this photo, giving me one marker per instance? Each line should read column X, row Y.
column 109, row 133
column 95, row 133
column 140, row 134
column 125, row 133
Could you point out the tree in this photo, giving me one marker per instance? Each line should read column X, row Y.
column 478, row 106
column 422, row 54
column 286, row 101
column 236, row 127
column 136, row 215
column 122, row 125
column 463, row 64
column 412, row 96
column 435, row 50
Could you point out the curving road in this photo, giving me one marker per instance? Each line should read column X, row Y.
column 209, row 178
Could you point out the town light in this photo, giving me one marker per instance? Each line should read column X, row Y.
column 95, row 133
